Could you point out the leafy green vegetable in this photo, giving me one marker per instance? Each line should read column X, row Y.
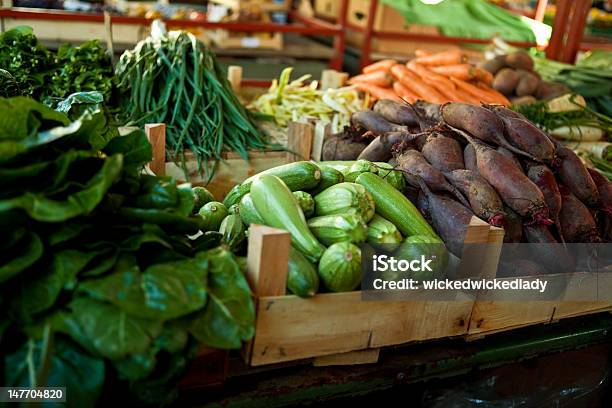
column 95, row 264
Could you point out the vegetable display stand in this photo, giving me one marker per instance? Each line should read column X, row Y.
column 339, row 328
column 233, row 169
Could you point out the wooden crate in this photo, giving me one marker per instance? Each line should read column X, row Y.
column 338, row 328
column 493, row 316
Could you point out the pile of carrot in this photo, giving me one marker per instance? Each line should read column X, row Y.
column 442, row 77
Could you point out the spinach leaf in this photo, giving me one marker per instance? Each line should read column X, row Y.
column 68, row 366
column 113, row 333
column 83, row 202
column 229, row 315
column 136, row 366
column 22, row 255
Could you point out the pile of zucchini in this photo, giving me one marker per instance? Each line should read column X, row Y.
column 329, row 208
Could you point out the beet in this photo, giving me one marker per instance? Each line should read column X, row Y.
column 484, row 200
column 375, row 123
column 553, row 255
column 396, row 112
column 577, row 222
column 442, row 152
column 450, row 219
column 379, row 149
column 511, row 156
column 479, row 122
column 469, row 158
column 573, row 174
column 544, row 178
column 429, row 113
column 422, row 204
column 502, row 111
column 513, row 226
column 515, row 189
column 516, row 268
column 339, row 147
column 528, row 138
column 604, row 188
column 414, row 164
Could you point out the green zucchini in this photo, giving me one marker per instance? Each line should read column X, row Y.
column 329, row 177
column 395, row 207
column 213, row 214
column 431, row 248
column 278, row 207
column 394, row 177
column 232, row 229
column 360, row 166
column 382, row 231
column 340, row 267
column 340, row 165
column 330, row 229
column 306, row 202
column 247, row 211
column 201, row 196
column 344, row 198
column 302, row 277
column 302, row 175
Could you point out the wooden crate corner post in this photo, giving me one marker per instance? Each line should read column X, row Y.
column 234, row 76
column 330, row 78
column 299, row 141
column 267, row 264
column 156, row 133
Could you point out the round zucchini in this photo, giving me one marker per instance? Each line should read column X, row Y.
column 340, row 267
column 213, row 214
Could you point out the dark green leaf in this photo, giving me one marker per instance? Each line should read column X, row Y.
column 21, row 256
column 229, row 315
column 134, row 147
column 136, row 366
column 83, row 202
column 80, row 373
column 113, row 333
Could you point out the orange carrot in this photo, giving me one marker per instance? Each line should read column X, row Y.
column 398, row 72
column 403, row 92
column 459, row 71
column 497, row 96
column 383, row 65
column 378, row 78
column 420, row 88
column 377, row 92
column 422, row 53
column 481, row 94
column 426, row 74
column 450, row 57
column 484, row 76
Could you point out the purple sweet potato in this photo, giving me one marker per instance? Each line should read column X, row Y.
column 513, row 186
column 449, row 218
column 511, row 156
column 375, row 123
column 573, row 174
column 469, row 158
column 444, row 153
column 479, row 122
column 544, row 178
column 577, row 222
column 484, row 200
column 604, row 188
column 396, row 112
column 528, row 138
column 414, row 165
